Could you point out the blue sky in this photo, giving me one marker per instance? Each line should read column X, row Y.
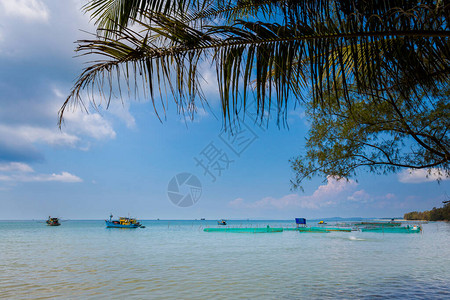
column 121, row 160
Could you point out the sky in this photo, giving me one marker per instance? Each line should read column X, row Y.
column 125, row 161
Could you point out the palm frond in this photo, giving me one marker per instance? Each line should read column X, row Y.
column 371, row 45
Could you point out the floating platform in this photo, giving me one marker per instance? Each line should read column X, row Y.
column 406, row 229
column 244, row 230
column 379, row 224
column 318, row 229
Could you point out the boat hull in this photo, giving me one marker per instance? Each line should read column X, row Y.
column 53, row 224
column 114, row 225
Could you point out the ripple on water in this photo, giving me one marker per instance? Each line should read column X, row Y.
column 183, row 262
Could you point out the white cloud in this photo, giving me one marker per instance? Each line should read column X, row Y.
column 238, row 202
column 298, row 113
column 79, row 122
column 325, row 195
column 93, row 125
column 201, row 112
column 63, row 177
column 362, row 196
column 48, row 28
column 121, row 110
column 32, row 10
column 198, row 113
column 5, row 178
column 422, row 175
column 208, row 80
column 28, row 134
column 15, row 167
column 19, row 172
column 25, row 126
column 390, row 196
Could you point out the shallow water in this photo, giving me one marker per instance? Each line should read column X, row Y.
column 176, row 259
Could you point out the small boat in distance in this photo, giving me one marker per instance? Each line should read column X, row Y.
column 123, row 223
column 322, row 223
column 222, row 222
column 52, row 221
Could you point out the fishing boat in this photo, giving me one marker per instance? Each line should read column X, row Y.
column 403, row 229
column 222, row 222
column 123, row 223
column 322, row 223
column 52, row 221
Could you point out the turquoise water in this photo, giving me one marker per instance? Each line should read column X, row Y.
column 176, row 259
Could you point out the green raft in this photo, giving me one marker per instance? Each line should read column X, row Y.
column 318, row 229
column 244, row 230
column 379, row 224
column 406, row 229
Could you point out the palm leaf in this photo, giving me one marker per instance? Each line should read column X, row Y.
column 371, row 45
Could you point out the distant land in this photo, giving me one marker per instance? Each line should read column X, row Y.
column 436, row 214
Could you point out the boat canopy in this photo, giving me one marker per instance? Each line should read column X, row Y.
column 300, row 221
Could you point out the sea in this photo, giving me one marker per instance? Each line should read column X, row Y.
column 176, row 259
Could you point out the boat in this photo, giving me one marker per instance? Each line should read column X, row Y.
column 267, row 229
column 52, row 221
column 222, row 222
column 403, row 229
column 123, row 223
column 322, row 223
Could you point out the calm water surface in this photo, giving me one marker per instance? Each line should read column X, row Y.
column 176, row 259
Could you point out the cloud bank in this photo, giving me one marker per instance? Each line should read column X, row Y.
column 325, row 195
column 335, row 192
column 15, row 172
column 421, row 175
column 30, row 10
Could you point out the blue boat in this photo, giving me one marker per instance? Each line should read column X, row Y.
column 123, row 223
